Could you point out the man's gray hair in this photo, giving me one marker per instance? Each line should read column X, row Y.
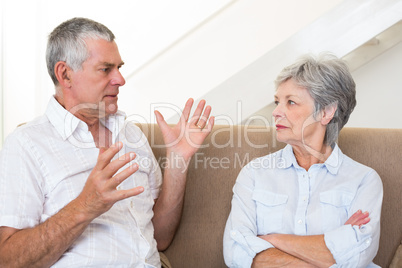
column 329, row 82
column 67, row 43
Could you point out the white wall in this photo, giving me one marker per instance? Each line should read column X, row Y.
column 143, row 29
column 215, row 52
column 173, row 49
column 379, row 92
column 1, row 73
column 342, row 30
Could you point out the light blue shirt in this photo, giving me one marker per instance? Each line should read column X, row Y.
column 273, row 194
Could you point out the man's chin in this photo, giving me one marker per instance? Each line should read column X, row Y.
column 111, row 109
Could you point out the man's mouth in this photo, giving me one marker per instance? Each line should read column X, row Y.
column 111, row 96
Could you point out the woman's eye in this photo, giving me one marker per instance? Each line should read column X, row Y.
column 276, row 103
column 291, row 102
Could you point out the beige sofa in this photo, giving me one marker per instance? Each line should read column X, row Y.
column 213, row 171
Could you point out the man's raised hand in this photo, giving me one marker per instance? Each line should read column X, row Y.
column 187, row 135
column 100, row 190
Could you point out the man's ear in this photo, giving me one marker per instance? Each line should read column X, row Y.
column 62, row 72
column 328, row 113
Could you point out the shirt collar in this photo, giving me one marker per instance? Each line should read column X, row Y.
column 332, row 163
column 66, row 123
column 289, row 157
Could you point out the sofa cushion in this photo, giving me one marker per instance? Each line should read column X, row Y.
column 214, row 169
column 397, row 260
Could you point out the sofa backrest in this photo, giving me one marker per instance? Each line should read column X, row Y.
column 214, row 169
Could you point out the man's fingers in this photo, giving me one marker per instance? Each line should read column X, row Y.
column 185, row 115
column 203, row 119
column 117, row 179
column 117, row 164
column 102, row 150
column 105, row 156
column 211, row 123
column 199, row 109
column 123, row 194
column 161, row 121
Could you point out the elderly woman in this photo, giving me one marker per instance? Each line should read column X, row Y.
column 312, row 208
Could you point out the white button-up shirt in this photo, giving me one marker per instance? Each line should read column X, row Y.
column 273, row 194
column 44, row 165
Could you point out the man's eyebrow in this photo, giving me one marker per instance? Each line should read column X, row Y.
column 108, row 64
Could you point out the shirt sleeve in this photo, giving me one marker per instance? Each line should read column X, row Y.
column 21, row 197
column 354, row 247
column 240, row 241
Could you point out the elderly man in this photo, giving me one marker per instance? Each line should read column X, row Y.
column 79, row 186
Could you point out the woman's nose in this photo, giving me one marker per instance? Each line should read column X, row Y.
column 277, row 112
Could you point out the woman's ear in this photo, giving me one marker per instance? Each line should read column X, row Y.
column 328, row 113
column 62, row 72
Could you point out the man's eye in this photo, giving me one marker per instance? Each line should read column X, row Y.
column 276, row 102
column 291, row 102
column 105, row 70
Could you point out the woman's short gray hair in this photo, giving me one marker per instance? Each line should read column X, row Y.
column 67, row 43
column 329, row 82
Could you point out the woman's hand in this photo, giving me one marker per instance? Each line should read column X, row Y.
column 359, row 218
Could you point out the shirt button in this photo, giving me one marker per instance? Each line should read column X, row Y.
column 368, row 241
column 233, row 232
column 299, row 221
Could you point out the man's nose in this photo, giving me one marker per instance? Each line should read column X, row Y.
column 118, row 79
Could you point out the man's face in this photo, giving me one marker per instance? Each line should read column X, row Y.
column 95, row 87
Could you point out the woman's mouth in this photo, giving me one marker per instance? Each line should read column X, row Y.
column 280, row 127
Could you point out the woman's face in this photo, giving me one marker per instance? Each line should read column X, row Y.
column 294, row 120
